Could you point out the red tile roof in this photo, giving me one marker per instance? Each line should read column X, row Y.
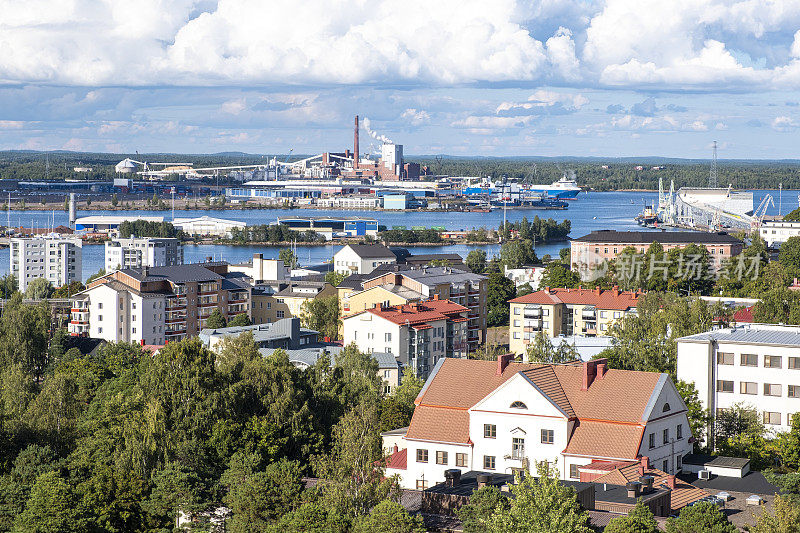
column 606, row 427
column 743, row 315
column 397, row 460
column 418, row 312
column 604, row 439
column 600, row 298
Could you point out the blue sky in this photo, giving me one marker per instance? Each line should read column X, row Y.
column 461, row 77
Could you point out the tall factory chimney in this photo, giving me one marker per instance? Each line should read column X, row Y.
column 355, row 146
column 72, row 214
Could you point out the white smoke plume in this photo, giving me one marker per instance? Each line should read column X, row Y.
column 374, row 135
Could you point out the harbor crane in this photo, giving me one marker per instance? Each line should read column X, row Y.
column 761, row 210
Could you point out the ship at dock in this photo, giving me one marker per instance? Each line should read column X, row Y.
column 564, row 189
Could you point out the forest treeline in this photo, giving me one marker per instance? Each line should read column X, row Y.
column 620, row 174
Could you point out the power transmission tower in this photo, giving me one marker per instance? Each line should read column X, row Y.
column 712, row 176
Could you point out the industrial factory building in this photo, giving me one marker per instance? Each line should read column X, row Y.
column 331, row 227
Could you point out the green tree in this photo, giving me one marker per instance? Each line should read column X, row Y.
column 351, row 483
column 114, row 200
column 52, row 507
column 543, row 351
column 8, row 286
column 476, row 261
column 388, row 517
column 640, row 519
column 216, row 320
column 739, row 432
column 289, row 258
column 476, row 515
column 700, row 518
column 500, row 290
column 313, row 517
column 557, row 275
column 99, row 274
column 335, row 278
column 112, row 500
column 541, row 504
column 517, row 252
column 783, row 518
column 789, row 256
column 322, row 315
column 788, row 445
column 24, row 332
column 38, row 289
column 260, row 498
column 240, row 320
column 397, row 409
column 699, row 418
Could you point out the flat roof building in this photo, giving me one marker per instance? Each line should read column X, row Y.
column 589, row 252
column 143, row 251
column 332, row 227
column 757, row 365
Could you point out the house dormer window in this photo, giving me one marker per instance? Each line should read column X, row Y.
column 518, row 405
column 666, row 408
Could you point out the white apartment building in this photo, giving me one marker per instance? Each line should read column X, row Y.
column 777, row 232
column 144, row 251
column 753, row 364
column 418, row 334
column 499, row 416
column 57, row 259
column 362, row 258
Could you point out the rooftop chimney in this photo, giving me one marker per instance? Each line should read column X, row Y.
column 452, row 477
column 597, row 290
column 483, row 479
column 671, row 481
column 589, row 373
column 634, row 489
column 502, row 362
column 395, row 449
column 355, row 145
column 601, row 370
column 615, row 290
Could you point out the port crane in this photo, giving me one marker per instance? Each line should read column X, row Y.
column 761, row 210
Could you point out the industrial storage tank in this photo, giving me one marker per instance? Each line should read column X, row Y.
column 126, row 166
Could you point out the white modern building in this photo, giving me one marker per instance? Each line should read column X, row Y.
column 753, row 364
column 419, row 334
column 207, row 226
column 777, row 232
column 107, row 223
column 260, row 270
column 504, row 417
column 526, row 274
column 362, row 258
column 54, row 258
column 144, row 251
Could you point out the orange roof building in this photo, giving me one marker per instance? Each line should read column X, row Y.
column 586, row 312
column 503, row 416
column 419, row 334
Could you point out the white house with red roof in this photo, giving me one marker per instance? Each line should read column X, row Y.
column 504, row 416
column 419, row 334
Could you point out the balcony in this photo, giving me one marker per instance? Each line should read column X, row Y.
column 589, row 314
column 532, row 313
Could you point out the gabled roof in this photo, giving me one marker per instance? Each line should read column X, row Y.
column 600, row 298
column 416, row 313
column 604, row 439
column 369, row 251
column 398, row 460
column 605, row 427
